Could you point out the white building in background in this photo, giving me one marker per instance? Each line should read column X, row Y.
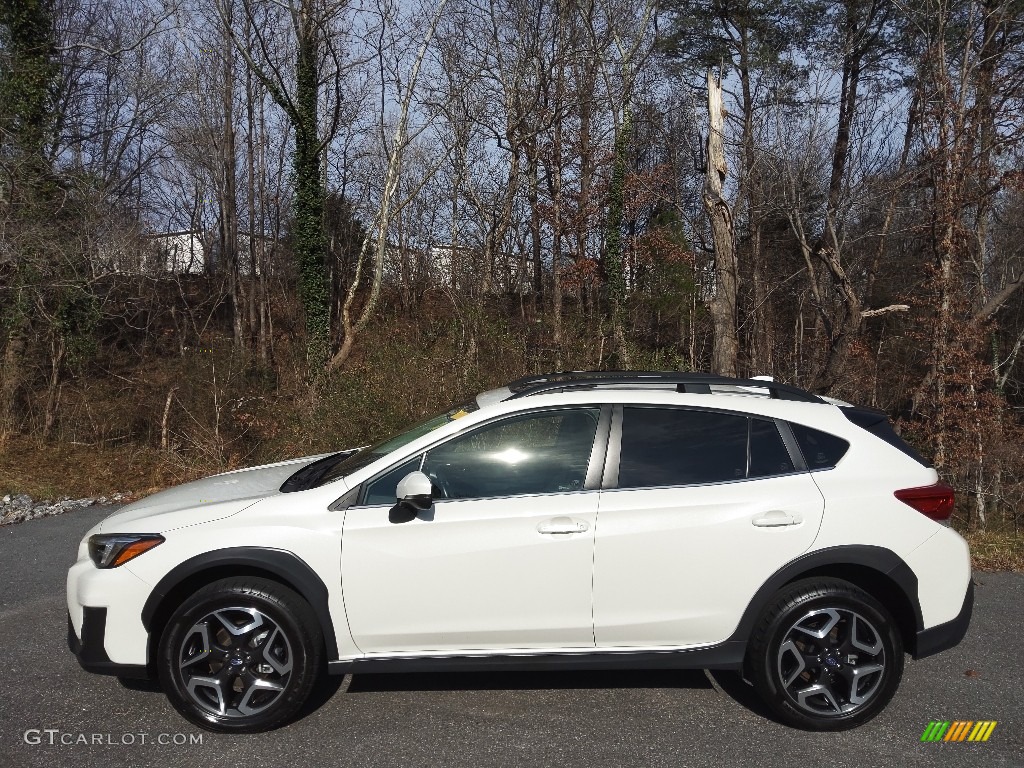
column 126, row 252
column 186, row 252
column 179, row 253
column 195, row 252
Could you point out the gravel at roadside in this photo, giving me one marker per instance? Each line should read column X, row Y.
column 17, row 508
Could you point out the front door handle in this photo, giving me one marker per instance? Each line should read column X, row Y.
column 560, row 525
column 776, row 519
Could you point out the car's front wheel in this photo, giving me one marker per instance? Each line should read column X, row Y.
column 825, row 655
column 240, row 655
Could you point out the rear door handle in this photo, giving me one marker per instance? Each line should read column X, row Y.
column 776, row 519
column 560, row 525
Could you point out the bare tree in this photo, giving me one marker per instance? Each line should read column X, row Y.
column 723, row 303
column 390, row 205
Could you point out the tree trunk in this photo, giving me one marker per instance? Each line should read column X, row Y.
column 309, row 194
column 757, row 320
column 228, row 188
column 385, row 214
column 11, row 374
column 725, row 356
column 846, row 327
column 250, row 167
column 53, row 385
column 533, row 197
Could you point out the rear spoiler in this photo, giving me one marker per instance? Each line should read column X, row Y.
column 877, row 423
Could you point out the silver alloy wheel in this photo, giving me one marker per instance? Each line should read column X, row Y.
column 235, row 662
column 831, row 661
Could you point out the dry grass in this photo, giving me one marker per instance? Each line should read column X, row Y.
column 994, row 551
column 55, row 470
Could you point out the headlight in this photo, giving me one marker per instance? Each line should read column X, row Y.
column 114, row 549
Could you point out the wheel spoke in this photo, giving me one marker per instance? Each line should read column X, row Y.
column 861, row 679
column 193, row 655
column 256, row 620
column 196, row 685
column 272, row 646
column 856, row 625
column 789, row 647
column 809, row 624
column 253, row 687
column 818, row 690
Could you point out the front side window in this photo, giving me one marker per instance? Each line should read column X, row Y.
column 675, row 446
column 546, row 452
column 382, row 489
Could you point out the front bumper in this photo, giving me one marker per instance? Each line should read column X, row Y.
column 90, row 651
column 105, row 615
column 946, row 635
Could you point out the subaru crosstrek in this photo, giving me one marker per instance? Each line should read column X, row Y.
column 566, row 521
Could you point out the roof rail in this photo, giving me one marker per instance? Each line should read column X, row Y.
column 692, row 383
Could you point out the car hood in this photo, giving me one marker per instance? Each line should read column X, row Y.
column 200, row 501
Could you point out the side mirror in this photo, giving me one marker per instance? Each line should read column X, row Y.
column 414, row 495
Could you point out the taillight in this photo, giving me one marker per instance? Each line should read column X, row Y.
column 934, row 501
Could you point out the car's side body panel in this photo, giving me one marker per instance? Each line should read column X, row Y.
column 943, row 567
column 280, row 564
column 677, row 566
column 309, row 534
column 473, row 574
column 860, row 509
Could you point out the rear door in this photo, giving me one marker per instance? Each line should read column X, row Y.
column 700, row 509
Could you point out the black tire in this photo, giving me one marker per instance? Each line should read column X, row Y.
column 825, row 655
column 240, row 655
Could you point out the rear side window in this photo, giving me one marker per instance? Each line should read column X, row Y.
column 821, row 450
column 674, row 446
column 768, row 454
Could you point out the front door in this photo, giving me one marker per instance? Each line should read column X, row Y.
column 503, row 559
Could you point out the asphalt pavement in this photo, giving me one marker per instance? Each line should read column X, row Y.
column 54, row 714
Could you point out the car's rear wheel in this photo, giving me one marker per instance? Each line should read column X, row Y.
column 825, row 655
column 240, row 655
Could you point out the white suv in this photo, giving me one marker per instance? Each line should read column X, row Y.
column 567, row 521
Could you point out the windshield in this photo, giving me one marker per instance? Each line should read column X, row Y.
column 348, row 462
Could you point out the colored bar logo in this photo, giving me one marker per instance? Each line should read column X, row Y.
column 958, row 730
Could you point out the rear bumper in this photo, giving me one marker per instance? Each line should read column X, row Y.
column 89, row 648
column 946, row 635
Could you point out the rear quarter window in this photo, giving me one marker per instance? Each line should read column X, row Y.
column 820, row 449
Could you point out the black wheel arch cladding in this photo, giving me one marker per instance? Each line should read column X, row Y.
column 276, row 564
column 831, row 561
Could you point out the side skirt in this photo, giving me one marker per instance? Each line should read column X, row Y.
column 727, row 655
